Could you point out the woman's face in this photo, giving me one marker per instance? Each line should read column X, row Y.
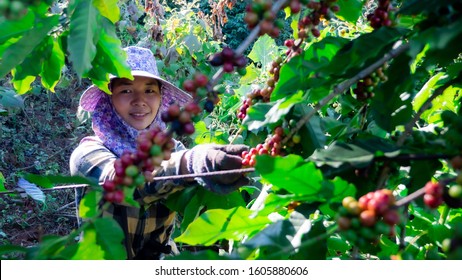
column 137, row 101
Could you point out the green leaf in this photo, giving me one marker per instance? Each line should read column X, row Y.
column 422, row 171
column 31, row 190
column 358, row 153
column 32, row 64
column 350, row 10
column 110, row 237
column 442, row 43
column 17, row 52
column 50, row 247
column 2, row 182
column 218, row 224
column 16, row 28
column 53, row 65
column 445, row 101
column 359, row 53
column 88, row 248
column 203, row 135
column 336, row 244
column 110, row 59
column 291, row 173
column 24, row 85
column 193, row 44
column 48, row 181
column 312, row 249
column 9, row 99
column 264, row 51
column 426, row 91
column 108, row 9
column 280, row 239
column 264, row 114
column 298, row 73
column 341, row 190
column 84, row 26
column 7, row 249
column 312, row 133
column 89, row 204
column 438, row 232
column 191, row 211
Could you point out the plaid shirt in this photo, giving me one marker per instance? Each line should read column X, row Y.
column 148, row 228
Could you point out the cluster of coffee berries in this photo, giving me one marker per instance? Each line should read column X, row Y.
column 193, row 86
column 181, row 119
column 243, row 109
column 201, row 91
column 362, row 221
column 263, row 94
column 433, row 196
column 259, row 11
column 365, row 87
column 228, row 59
column 308, row 24
column 381, row 15
column 272, row 146
column 293, row 48
column 134, row 169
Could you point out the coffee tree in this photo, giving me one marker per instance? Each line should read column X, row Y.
column 354, row 126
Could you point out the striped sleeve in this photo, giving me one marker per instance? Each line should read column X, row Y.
column 93, row 160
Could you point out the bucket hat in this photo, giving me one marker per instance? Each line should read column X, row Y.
column 142, row 63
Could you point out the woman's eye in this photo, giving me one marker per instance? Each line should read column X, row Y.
column 125, row 91
column 151, row 91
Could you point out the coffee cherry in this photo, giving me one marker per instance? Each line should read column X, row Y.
column 456, row 162
column 216, row 59
column 367, row 218
column 434, row 188
column 432, row 201
column 295, row 6
column 201, row 80
column 209, row 106
column 455, row 191
column 344, row 223
column 188, row 128
column 189, row 86
column 109, row 186
column 289, row 43
column 131, row 171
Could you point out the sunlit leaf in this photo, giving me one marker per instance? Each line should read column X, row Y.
column 291, row 173
column 17, row 52
column 52, row 66
column 110, row 237
column 350, row 10
column 108, row 9
column 218, row 224
column 88, row 248
column 264, row 51
column 88, row 207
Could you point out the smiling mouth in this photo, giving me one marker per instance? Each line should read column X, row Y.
column 139, row 115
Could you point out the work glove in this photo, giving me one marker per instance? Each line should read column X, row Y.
column 211, row 157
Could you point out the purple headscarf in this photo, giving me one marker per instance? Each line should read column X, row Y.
column 108, row 125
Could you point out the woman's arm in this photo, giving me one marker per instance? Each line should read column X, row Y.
column 93, row 160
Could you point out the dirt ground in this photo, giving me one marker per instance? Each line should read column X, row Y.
column 39, row 139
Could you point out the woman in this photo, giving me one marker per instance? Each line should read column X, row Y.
column 117, row 119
